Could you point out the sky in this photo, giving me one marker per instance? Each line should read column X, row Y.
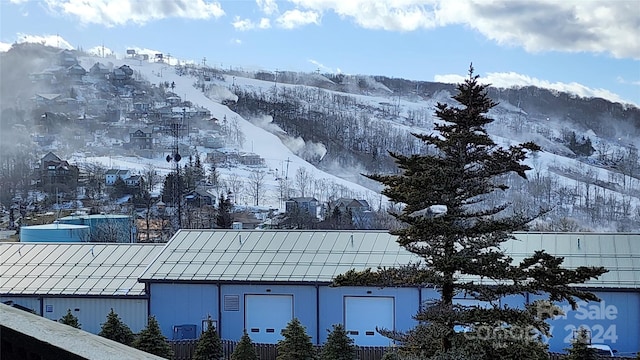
column 587, row 47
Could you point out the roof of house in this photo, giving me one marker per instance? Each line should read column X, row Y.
column 302, row 199
column 74, row 269
column 318, row 256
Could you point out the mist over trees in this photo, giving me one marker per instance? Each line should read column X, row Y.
column 342, row 124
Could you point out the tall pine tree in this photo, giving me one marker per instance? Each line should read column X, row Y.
column 459, row 237
column 244, row 350
column 339, row 346
column 296, row 344
column 151, row 340
column 209, row 346
column 70, row 319
column 116, row 330
column 224, row 220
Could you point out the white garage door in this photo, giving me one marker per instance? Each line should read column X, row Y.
column 364, row 314
column 266, row 315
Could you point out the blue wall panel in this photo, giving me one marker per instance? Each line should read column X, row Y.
column 614, row 321
column 332, row 306
column 182, row 304
column 304, row 306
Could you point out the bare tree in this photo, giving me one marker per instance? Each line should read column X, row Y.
column 151, row 177
column 256, row 186
column 303, row 181
column 235, row 186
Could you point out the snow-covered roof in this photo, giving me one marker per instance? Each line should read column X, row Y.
column 74, row 269
column 318, row 256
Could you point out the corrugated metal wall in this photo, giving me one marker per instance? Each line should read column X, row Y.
column 32, row 303
column 92, row 312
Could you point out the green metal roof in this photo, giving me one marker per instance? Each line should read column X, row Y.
column 318, row 256
column 74, row 268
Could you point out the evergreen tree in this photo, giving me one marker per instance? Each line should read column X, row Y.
column 244, row 350
column 296, row 344
column 459, row 236
column 151, row 340
column 209, row 346
column 338, row 346
column 173, row 188
column 579, row 349
column 70, row 319
column 224, row 220
column 116, row 330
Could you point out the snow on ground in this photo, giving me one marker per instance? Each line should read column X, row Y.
column 258, row 140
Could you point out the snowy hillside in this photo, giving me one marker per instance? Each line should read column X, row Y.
column 312, row 134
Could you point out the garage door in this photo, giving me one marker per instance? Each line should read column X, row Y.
column 266, row 315
column 364, row 314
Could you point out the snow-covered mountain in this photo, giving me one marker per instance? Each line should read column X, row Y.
column 322, row 131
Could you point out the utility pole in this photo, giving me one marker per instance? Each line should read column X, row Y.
column 286, row 177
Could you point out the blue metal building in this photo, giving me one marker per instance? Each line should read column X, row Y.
column 259, row 280
column 88, row 279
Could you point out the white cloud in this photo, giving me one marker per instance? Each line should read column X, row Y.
column 598, row 26
column 236, row 41
column 242, row 24
column 295, row 18
column 622, row 80
column 268, row 7
column 4, row 47
column 112, row 13
column 512, row 79
column 18, row 1
column 246, row 24
column 48, row 40
column 264, row 23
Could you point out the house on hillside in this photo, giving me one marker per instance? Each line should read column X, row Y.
column 99, row 71
column 141, row 139
column 75, row 73
column 302, row 204
column 46, row 99
column 57, row 172
column 352, row 205
column 200, row 197
column 251, row 159
column 67, row 58
column 112, row 175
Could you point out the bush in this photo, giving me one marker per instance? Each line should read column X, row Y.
column 296, row 344
column 116, row 330
column 209, row 346
column 152, row 341
column 245, row 349
column 70, row 319
column 338, row 346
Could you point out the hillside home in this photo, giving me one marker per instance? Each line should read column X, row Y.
column 305, row 204
column 114, row 174
column 54, row 170
column 75, row 73
column 200, row 197
column 99, row 71
column 67, row 58
column 352, row 205
column 141, row 139
column 46, row 100
column 251, row 159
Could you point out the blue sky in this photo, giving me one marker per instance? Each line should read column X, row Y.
column 588, row 47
